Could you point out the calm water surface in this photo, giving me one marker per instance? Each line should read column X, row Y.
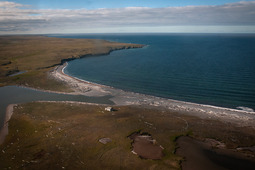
column 215, row 69
column 14, row 95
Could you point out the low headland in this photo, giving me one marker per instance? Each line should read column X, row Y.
column 169, row 134
column 35, row 56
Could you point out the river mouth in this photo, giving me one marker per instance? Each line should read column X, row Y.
column 16, row 95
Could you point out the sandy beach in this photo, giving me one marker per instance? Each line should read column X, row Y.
column 120, row 97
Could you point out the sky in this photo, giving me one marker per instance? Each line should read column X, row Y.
column 120, row 16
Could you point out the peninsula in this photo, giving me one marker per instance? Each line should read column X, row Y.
column 35, row 56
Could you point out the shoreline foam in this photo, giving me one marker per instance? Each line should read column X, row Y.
column 121, row 97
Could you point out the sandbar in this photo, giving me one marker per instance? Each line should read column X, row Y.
column 121, row 97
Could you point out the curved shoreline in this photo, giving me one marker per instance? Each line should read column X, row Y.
column 63, row 67
column 121, row 97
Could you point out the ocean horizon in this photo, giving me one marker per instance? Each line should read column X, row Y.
column 211, row 69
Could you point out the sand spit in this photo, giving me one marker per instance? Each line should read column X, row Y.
column 240, row 117
column 4, row 130
column 77, row 85
column 72, row 102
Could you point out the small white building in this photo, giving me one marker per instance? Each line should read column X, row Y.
column 109, row 109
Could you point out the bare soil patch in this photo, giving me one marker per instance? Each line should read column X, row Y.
column 145, row 146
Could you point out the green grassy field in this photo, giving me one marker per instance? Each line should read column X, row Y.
column 58, row 135
column 39, row 54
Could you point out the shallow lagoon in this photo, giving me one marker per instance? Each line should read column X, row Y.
column 15, row 94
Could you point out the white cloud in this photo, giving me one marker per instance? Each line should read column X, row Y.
column 15, row 18
column 7, row 4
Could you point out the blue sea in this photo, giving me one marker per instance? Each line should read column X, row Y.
column 214, row 69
